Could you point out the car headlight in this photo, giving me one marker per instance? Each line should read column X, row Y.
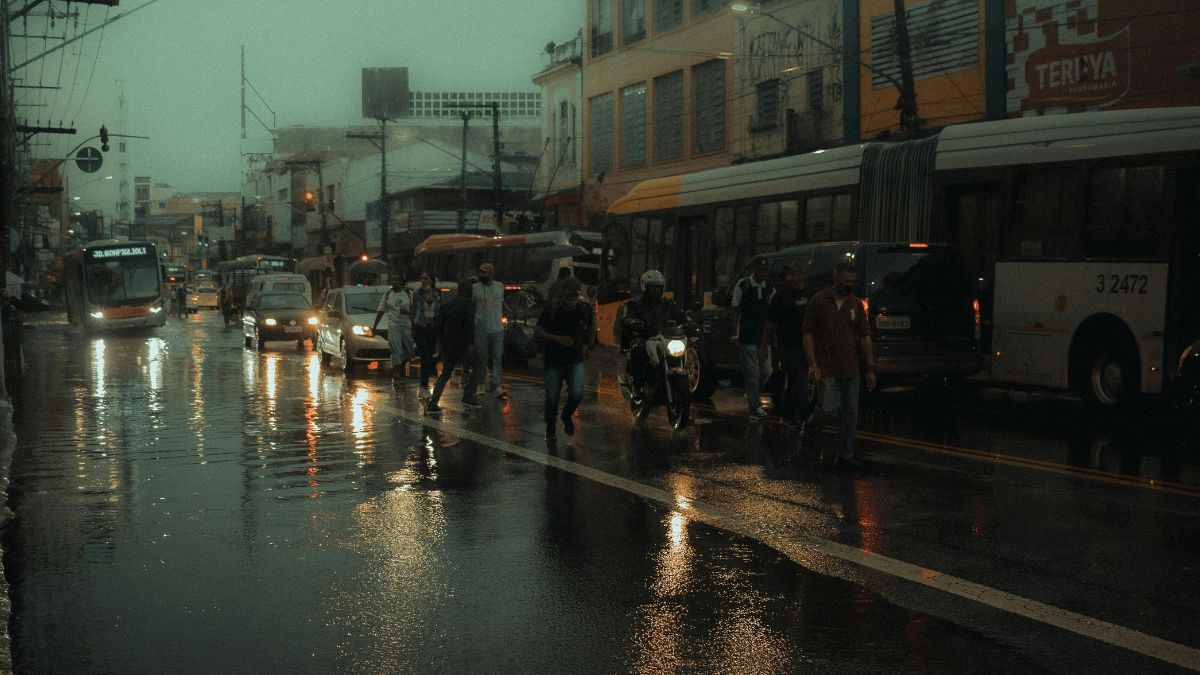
column 97, row 315
column 676, row 347
column 270, row 322
column 312, row 320
column 153, row 310
column 361, row 330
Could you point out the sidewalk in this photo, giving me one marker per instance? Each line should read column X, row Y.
column 8, row 443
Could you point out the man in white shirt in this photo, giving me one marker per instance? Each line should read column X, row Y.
column 397, row 303
column 488, row 295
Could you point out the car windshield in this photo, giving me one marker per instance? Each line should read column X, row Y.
column 288, row 301
column 364, row 303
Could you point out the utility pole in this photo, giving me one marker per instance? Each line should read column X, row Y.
column 462, row 205
column 384, row 215
column 910, row 120
column 497, row 178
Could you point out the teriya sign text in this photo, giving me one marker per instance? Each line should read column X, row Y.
column 1079, row 73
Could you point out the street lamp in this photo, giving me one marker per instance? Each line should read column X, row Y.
column 910, row 120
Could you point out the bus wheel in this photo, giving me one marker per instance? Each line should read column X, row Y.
column 1107, row 373
column 702, row 381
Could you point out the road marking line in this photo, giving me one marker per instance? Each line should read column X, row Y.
column 799, row 546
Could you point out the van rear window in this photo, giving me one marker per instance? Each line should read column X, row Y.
column 932, row 273
column 287, row 288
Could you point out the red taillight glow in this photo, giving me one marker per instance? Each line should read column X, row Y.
column 975, row 306
column 918, row 245
column 866, row 305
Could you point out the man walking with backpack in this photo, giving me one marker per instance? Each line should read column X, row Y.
column 568, row 330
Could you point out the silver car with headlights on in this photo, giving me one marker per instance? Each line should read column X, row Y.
column 344, row 327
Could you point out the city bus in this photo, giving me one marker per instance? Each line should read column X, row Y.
column 177, row 274
column 112, row 284
column 237, row 273
column 1079, row 231
column 521, row 260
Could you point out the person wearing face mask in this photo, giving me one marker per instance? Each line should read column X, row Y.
column 567, row 329
column 397, row 303
column 834, row 327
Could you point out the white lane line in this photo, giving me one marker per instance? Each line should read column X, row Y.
column 799, row 547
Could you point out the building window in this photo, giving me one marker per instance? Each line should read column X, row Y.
column 702, row 8
column 602, row 27
column 633, row 125
column 601, row 135
column 708, row 105
column 945, row 40
column 816, row 91
column 566, row 130
column 633, row 21
column 668, row 116
column 766, row 95
column 667, row 14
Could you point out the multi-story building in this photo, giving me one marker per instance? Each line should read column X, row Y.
column 657, row 87
column 559, row 178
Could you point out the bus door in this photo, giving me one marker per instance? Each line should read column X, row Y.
column 1183, row 319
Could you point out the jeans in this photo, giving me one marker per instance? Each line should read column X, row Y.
column 426, row 339
column 490, row 347
column 839, row 403
column 400, row 340
column 750, row 374
column 554, row 376
column 795, row 374
column 472, row 368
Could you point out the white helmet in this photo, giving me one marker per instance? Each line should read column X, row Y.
column 652, row 278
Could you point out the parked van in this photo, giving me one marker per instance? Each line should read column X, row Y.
column 283, row 282
column 919, row 300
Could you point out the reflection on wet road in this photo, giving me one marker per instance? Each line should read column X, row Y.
column 184, row 503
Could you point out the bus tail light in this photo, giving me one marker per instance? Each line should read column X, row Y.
column 918, row 245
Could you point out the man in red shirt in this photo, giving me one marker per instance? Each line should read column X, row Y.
column 834, row 325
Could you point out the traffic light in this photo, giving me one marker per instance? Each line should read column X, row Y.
column 310, row 200
column 104, row 138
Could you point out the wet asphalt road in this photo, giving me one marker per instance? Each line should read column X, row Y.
column 183, row 504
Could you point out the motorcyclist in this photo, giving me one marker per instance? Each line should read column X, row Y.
column 644, row 317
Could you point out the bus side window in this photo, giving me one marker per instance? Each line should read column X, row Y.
column 818, row 218
column 767, row 239
column 1046, row 216
column 724, row 246
column 1126, row 213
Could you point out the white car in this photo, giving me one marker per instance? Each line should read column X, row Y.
column 203, row 297
column 344, row 327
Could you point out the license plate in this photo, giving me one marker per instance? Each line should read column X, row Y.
column 293, row 329
column 892, row 322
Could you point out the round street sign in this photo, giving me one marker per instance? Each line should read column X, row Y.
column 89, row 160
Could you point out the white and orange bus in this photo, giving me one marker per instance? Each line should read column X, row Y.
column 520, row 259
column 1082, row 232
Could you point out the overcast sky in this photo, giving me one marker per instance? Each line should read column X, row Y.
column 180, row 62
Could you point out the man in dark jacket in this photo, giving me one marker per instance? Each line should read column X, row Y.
column 457, row 333
column 567, row 330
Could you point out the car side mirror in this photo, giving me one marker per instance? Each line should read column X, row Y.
column 720, row 298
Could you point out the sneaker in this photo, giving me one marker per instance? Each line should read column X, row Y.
column 471, row 403
column 551, row 433
column 433, row 409
column 568, row 426
column 758, row 414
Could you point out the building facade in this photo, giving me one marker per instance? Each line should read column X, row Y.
column 559, row 179
column 657, row 86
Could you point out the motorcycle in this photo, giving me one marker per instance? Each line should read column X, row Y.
column 666, row 379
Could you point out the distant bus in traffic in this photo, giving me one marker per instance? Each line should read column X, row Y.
column 520, row 259
column 114, row 284
column 237, row 274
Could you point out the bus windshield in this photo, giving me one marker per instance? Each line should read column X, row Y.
column 122, row 282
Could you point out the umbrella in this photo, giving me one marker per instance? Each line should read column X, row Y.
column 373, row 266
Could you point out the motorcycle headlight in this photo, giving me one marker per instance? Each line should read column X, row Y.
column 97, row 315
column 676, row 347
column 361, row 330
column 270, row 322
column 312, row 320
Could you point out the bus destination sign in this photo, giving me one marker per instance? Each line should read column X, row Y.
column 122, row 252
